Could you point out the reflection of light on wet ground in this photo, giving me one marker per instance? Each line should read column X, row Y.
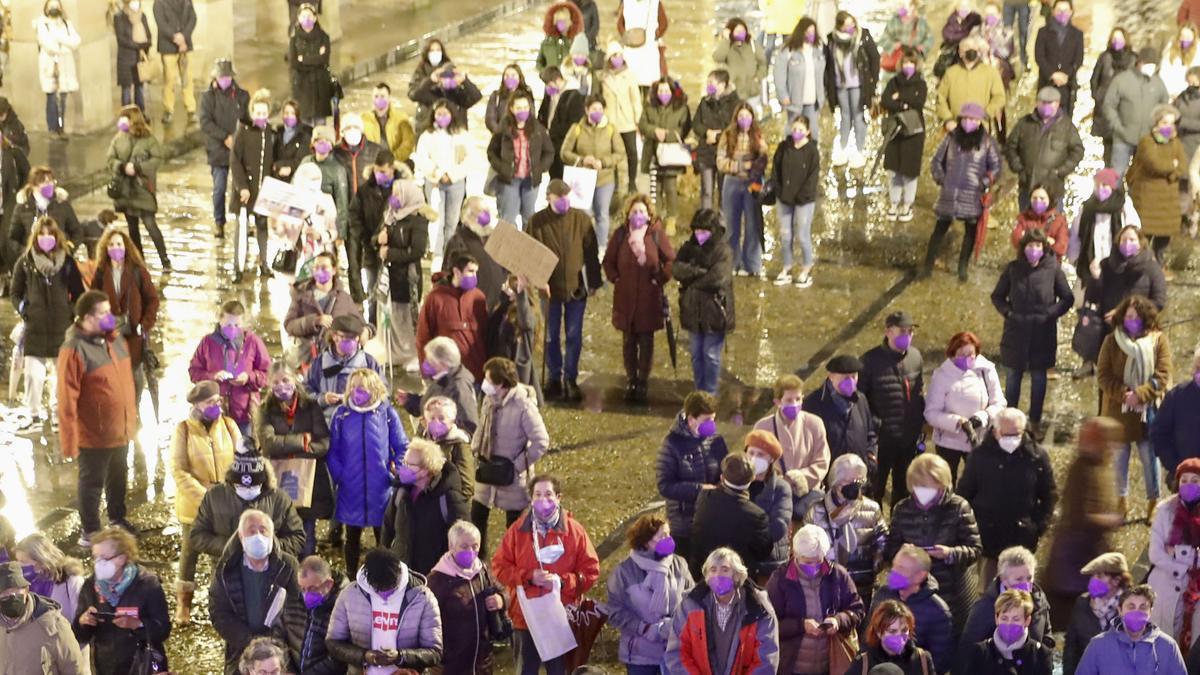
column 16, row 481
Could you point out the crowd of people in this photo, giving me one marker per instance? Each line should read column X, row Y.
column 835, row 537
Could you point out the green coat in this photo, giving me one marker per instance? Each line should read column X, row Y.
column 676, row 119
column 603, row 143
column 146, row 154
column 554, row 50
column 746, row 64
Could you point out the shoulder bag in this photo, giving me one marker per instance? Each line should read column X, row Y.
column 496, row 470
column 636, row 37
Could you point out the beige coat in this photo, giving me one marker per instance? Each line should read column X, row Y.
column 1110, row 377
column 603, row 142
column 805, row 452
column 1169, row 571
column 42, row 643
column 515, row 430
column 623, row 100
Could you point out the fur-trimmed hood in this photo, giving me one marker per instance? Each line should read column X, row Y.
column 576, row 20
column 26, row 193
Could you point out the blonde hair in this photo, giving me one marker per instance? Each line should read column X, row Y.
column 928, row 467
column 1014, row 599
column 49, row 557
column 433, row 459
column 368, row 379
column 917, row 555
column 123, row 542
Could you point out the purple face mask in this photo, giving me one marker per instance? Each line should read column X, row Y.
column 290, row 121
column 1033, row 254
column 260, row 122
column 521, row 115
column 847, row 387
column 850, row 31
column 1010, row 633
column 323, row 147
column 284, row 392
column 579, row 60
column 809, row 570
column 739, row 35
column 970, row 125
column 465, row 559
column 664, row 97
column 381, row 104
column 561, row 25
column 894, row 643
column 307, row 23
column 617, row 62
column 360, row 396
column 313, row 599
column 211, row 412
column 810, row 38
column 721, row 584
column 123, row 125
column 702, row 236
column 511, row 82
column 902, row 12
column 428, row 369
column 1047, row 110
column 790, row 411
column 991, row 19
column 1098, row 588
column 706, row 428
column 1166, row 132
column 595, row 116
column 322, row 275
column 744, row 123
column 1135, row 621
column 1062, row 17
column 544, row 507
column 1189, row 492
column 405, row 474
column 437, row 429
column 47, row 190
column 1184, row 44
column 386, row 594
column 1039, row 207
column 484, row 218
column 1103, row 192
column 1133, row 326
column 448, row 82
column 468, row 283
column 231, row 332
column 224, row 82
column 108, row 322
column 799, row 135
column 442, row 120
column 552, row 90
column 1196, row 377
column 908, row 69
column 897, row 581
column 903, row 341
column 384, row 179
column 1129, row 248
column 1117, row 44
column 394, row 202
column 664, row 547
column 46, row 242
column 116, row 254
column 560, row 204
column 964, row 362
column 1026, row 586
column 710, row 89
column 638, row 220
column 348, row 346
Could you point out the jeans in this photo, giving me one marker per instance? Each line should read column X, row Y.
column 736, row 202
column 1122, row 155
column 528, row 660
column 178, row 72
column 706, row 360
column 710, row 184
column 1019, row 13
column 102, row 470
column 601, row 200
column 452, row 200
column 631, row 669
column 557, row 313
column 220, row 178
column 479, row 518
column 56, row 112
column 134, row 93
column 795, row 225
column 516, row 198
column 903, row 190
column 1037, row 391
column 135, row 233
column 853, row 119
column 1150, row 468
column 629, row 138
column 812, row 113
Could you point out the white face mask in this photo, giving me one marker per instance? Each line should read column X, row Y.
column 352, row 136
column 488, row 388
column 760, row 465
column 257, row 546
column 1010, row 444
column 548, row 555
column 435, row 58
column 1148, row 69
column 925, row 495
column 248, row 493
column 105, row 570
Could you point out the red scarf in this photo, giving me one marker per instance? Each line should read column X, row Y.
column 1185, row 529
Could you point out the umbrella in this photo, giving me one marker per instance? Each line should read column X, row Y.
column 150, row 364
column 240, row 244
column 982, row 225
column 892, row 130
column 383, row 305
column 17, row 367
column 672, row 340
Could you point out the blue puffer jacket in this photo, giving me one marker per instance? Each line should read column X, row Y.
column 685, row 464
column 963, row 176
column 365, row 446
column 329, row 373
column 935, row 629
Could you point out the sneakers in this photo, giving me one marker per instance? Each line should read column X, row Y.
column 804, row 280
column 856, row 159
column 85, row 540
column 741, row 273
column 784, row 278
column 892, row 212
column 906, row 214
column 839, row 156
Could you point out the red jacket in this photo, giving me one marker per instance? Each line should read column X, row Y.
column 638, row 289
column 450, row 312
column 757, row 637
column 515, row 562
column 1189, row 12
column 97, row 407
column 1052, row 222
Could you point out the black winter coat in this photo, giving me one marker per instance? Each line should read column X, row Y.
column 1033, row 658
column 312, row 84
column 912, row 661
column 1012, row 495
column 502, row 157
column 1175, row 431
column 935, row 629
column 415, row 528
column 14, row 132
column 1121, row 277
column 460, row 98
column 465, row 621
column 726, row 517
column 14, row 171
column 367, row 207
column 981, row 623
column 705, row 276
column 356, row 161
column 45, row 303
column 894, row 385
column 568, row 111
column 171, row 17
column 950, row 523
column 26, row 212
column 303, row 631
column 1041, row 154
column 408, row 239
column 280, row 439
column 227, row 597
column 905, row 155
column 113, row 648
column 128, row 51
column 797, row 172
column 252, row 157
column 289, row 153
column 1083, row 627
column 1054, row 56
column 1031, row 300
column 712, row 114
column 491, row 275
column 685, row 464
column 849, row 425
column 1114, row 207
column 866, row 61
column 221, row 111
column 1108, row 64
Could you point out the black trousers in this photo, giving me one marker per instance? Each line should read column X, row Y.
column 894, row 459
column 629, row 138
column 102, row 470
column 135, row 234
column 953, row 458
column 638, row 352
column 353, row 548
column 939, row 235
column 479, row 518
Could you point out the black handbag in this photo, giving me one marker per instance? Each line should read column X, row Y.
column 148, row 660
column 495, row 471
column 910, row 123
column 116, row 188
column 285, row 261
column 1089, row 333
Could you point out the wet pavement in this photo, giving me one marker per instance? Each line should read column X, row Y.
column 864, row 271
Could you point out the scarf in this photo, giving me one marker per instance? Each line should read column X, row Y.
column 842, row 47
column 139, row 29
column 637, row 243
column 447, row 566
column 1139, row 361
column 841, row 529
column 385, row 616
column 543, row 527
column 1006, row 650
column 1106, row 610
column 48, row 265
column 486, row 436
column 230, row 349
column 659, row 586
column 411, row 199
column 111, row 591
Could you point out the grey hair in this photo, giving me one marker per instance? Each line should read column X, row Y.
column 316, row 565
column 260, row 649
column 42, row 551
column 1164, row 109
column 447, row 404
column 1013, row 415
column 444, row 350
column 462, row 528
column 730, row 557
column 843, row 465
column 1016, row 556
column 254, row 514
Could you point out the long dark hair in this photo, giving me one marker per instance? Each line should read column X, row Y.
column 678, row 98
column 796, row 39
column 729, row 136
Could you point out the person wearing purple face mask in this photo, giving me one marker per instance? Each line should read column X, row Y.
column 804, row 454
column 742, row 162
column 1179, row 56
column 223, row 107
column 1133, row 372
column 905, row 29
column 1017, row 566
column 739, row 615
column 1095, row 232
column 1042, row 149
column 1130, row 269
column 293, row 140
column 457, row 309
column 236, row 358
column 519, row 153
column 713, row 113
column 451, row 84
column 366, row 447
column 545, row 551
column 387, row 125
column 1154, row 179
column 469, row 601
column 851, row 76
column 665, row 119
column 1137, row 639
column 316, row 302
column 512, row 79
column 1058, row 51
column 250, row 162
column 964, row 395
column 306, row 616
column 593, row 143
column 341, row 355
column 1032, row 294
column 704, row 270
column 1118, row 57
column 1096, row 609
column 904, row 98
column 443, row 153
column 289, row 426
column 309, row 56
column 743, row 59
column 562, row 24
column 806, row 626
column 910, row 585
column 1172, row 536
column 798, row 72
column 562, row 106
column 849, row 424
column 134, row 155
column 1012, row 646
column 796, row 170
column 368, row 209
column 623, row 101
column 999, row 37
column 1175, row 432
column 50, row 572
column 438, row 423
column 644, row 591
column 688, row 463
column 386, row 591
column 335, row 181
column 890, row 639
column 427, row 498
column 894, row 384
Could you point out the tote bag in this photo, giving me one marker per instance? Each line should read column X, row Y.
column 295, row 476
column 583, row 186
column 546, row 618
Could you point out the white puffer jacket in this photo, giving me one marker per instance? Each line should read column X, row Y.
column 57, row 41
column 955, row 393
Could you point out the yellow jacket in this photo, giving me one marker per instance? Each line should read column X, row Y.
column 400, row 135
column 781, row 16
column 202, row 456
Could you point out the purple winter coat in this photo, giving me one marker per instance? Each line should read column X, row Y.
column 963, row 176
column 839, row 599
column 215, row 353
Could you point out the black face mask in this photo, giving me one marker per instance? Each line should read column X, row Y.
column 13, row 606
column 851, row 491
column 971, row 55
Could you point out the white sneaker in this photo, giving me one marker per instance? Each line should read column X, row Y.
column 857, row 161
column 891, row 212
column 784, row 278
column 741, row 273
column 804, row 280
column 907, row 214
column 839, row 155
